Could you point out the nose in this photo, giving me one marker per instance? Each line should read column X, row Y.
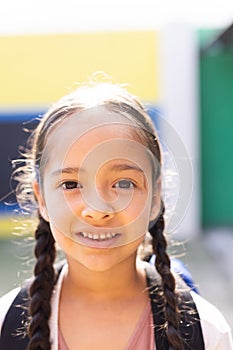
column 97, row 215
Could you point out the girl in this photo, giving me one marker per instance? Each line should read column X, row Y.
column 93, row 173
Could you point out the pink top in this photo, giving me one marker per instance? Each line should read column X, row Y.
column 142, row 337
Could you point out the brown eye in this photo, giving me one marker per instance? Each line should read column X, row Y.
column 71, row 185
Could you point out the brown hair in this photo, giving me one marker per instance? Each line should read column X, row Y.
column 113, row 98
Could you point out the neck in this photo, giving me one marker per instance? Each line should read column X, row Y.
column 124, row 280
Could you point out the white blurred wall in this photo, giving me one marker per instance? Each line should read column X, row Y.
column 179, row 100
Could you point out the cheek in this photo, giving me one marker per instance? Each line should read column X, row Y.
column 61, row 239
column 137, row 217
column 139, row 207
column 59, row 212
column 60, row 204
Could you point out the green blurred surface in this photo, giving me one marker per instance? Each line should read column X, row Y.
column 15, row 262
column 216, row 79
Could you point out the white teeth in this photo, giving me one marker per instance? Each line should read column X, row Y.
column 95, row 236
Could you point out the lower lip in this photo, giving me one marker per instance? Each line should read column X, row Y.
column 98, row 243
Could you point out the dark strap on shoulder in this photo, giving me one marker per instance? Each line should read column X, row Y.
column 13, row 335
column 190, row 327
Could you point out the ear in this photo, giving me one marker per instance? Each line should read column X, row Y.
column 40, row 200
column 156, row 201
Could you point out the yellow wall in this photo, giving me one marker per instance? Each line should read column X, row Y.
column 36, row 70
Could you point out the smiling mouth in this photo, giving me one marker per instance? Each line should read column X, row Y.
column 98, row 237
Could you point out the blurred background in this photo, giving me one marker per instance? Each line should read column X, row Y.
column 179, row 59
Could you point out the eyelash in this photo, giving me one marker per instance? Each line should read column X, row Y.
column 77, row 185
column 132, row 184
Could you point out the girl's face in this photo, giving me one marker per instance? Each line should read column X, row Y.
column 97, row 191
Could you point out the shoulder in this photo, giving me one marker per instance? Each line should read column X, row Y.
column 5, row 303
column 216, row 331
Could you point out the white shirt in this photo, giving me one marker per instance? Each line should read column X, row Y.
column 216, row 331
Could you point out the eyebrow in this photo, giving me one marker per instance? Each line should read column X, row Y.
column 68, row 170
column 125, row 166
column 115, row 167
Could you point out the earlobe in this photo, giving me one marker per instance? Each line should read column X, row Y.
column 155, row 210
column 40, row 200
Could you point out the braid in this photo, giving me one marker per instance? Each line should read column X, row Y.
column 162, row 264
column 41, row 288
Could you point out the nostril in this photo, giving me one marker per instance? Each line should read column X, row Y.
column 95, row 215
column 106, row 216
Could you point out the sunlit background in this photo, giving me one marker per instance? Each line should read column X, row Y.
column 179, row 59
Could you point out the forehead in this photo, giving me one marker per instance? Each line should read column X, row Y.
column 89, row 121
column 101, row 134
